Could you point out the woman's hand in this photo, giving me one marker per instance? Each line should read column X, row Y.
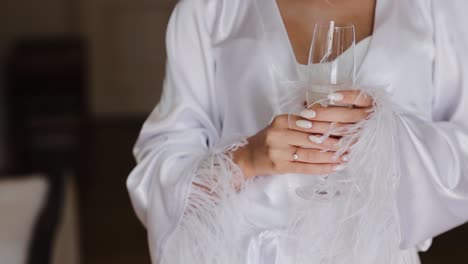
column 273, row 149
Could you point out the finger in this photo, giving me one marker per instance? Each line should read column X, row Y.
column 318, row 127
column 311, row 156
column 352, row 97
column 311, row 141
column 306, row 168
column 280, row 121
column 340, row 114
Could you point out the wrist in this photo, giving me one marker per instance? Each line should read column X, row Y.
column 242, row 158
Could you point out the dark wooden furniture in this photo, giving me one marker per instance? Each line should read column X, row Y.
column 46, row 116
column 46, row 102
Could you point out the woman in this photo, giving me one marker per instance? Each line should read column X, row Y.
column 219, row 163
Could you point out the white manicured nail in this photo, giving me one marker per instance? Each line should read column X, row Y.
column 339, row 168
column 345, row 158
column 335, row 97
column 309, row 114
column 304, row 124
column 316, row 139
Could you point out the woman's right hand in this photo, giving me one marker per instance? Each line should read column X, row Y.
column 271, row 151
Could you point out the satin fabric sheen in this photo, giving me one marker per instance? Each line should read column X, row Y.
column 225, row 60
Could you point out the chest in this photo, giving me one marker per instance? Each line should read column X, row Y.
column 255, row 69
column 300, row 16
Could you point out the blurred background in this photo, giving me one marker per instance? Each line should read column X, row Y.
column 77, row 80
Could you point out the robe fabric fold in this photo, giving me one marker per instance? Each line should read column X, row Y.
column 228, row 63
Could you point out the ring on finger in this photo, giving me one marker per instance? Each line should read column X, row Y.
column 296, row 155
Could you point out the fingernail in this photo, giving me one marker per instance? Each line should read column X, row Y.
column 335, row 97
column 304, row 124
column 316, row 139
column 345, row 158
column 339, row 168
column 309, row 114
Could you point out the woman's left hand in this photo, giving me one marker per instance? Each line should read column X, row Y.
column 317, row 119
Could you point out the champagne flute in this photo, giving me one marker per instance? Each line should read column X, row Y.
column 332, row 67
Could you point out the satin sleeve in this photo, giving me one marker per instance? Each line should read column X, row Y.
column 433, row 188
column 182, row 131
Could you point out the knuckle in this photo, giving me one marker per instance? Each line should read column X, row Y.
column 271, row 153
column 279, row 120
column 270, row 137
column 318, row 108
column 275, row 122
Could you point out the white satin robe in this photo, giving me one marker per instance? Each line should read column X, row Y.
column 224, row 61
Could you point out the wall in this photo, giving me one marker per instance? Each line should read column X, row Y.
column 127, row 54
column 28, row 17
column 25, row 17
column 126, row 47
column 126, row 41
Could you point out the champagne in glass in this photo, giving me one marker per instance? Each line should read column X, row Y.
column 331, row 68
column 331, row 61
